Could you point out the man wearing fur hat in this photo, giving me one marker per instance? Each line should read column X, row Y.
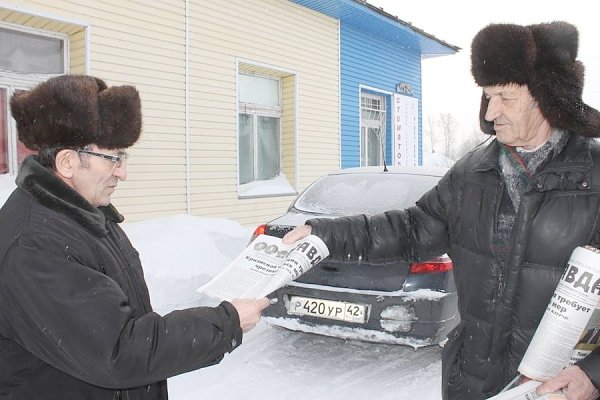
column 75, row 315
column 509, row 213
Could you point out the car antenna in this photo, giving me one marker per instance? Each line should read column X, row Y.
column 383, row 154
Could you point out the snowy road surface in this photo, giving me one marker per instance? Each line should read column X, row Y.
column 276, row 364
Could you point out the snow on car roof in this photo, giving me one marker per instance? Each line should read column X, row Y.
column 412, row 170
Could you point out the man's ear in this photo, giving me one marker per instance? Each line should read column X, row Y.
column 65, row 163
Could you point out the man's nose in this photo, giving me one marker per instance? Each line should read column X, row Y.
column 493, row 109
column 121, row 172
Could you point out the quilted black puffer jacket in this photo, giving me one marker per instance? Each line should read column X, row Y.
column 500, row 307
column 75, row 315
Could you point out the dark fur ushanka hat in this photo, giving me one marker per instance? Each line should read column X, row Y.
column 543, row 57
column 75, row 111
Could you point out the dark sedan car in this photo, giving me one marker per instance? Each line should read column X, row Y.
column 412, row 304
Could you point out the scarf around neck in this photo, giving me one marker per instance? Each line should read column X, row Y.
column 518, row 165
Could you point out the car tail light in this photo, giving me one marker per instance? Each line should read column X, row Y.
column 260, row 230
column 438, row 264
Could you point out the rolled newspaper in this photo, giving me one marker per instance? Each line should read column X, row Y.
column 570, row 313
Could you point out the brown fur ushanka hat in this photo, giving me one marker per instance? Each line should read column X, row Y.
column 543, row 57
column 75, row 111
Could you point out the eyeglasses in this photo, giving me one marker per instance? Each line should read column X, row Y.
column 118, row 160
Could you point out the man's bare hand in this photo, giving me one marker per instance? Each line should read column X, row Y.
column 575, row 383
column 299, row 232
column 249, row 311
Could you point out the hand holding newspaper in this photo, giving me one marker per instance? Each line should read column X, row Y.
column 569, row 329
column 264, row 266
column 526, row 391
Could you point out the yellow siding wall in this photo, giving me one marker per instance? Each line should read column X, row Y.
column 142, row 43
column 279, row 34
column 139, row 43
column 77, row 52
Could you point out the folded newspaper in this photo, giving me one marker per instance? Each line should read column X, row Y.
column 264, row 266
column 526, row 391
column 569, row 329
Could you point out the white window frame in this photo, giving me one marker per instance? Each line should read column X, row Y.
column 11, row 129
column 280, row 186
column 259, row 110
column 366, row 124
column 40, row 32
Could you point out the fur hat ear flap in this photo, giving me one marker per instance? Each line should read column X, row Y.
column 561, row 103
column 487, row 127
column 120, row 117
column 75, row 111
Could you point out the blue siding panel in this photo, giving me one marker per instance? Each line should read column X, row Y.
column 369, row 61
column 377, row 50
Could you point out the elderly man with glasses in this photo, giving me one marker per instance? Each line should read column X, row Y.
column 75, row 315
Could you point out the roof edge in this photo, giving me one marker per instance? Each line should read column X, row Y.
column 384, row 13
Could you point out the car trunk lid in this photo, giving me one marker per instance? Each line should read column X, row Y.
column 386, row 277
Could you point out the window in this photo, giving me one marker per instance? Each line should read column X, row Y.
column 259, row 128
column 29, row 53
column 22, row 151
column 27, row 57
column 12, row 150
column 372, row 129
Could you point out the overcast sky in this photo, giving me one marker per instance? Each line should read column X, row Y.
column 448, row 85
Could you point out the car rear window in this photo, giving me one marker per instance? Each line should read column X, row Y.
column 349, row 194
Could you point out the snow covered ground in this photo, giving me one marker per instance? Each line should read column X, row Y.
column 182, row 252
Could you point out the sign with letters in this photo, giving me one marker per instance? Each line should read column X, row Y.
column 406, row 130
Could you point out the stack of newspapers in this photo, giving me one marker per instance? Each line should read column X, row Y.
column 568, row 331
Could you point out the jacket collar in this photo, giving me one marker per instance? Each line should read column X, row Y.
column 570, row 169
column 43, row 185
column 487, row 159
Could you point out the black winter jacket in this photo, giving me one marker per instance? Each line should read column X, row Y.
column 75, row 315
column 500, row 308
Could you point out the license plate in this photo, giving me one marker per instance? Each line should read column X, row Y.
column 338, row 310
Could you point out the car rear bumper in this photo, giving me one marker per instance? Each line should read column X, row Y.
column 417, row 318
